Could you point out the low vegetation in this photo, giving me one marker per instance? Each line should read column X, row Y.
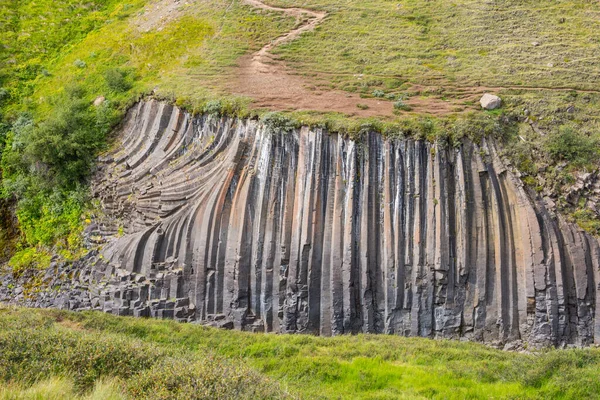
column 52, row 353
column 52, row 356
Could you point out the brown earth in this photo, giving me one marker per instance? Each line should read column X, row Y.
column 271, row 84
column 265, row 79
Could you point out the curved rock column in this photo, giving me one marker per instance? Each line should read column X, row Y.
column 222, row 221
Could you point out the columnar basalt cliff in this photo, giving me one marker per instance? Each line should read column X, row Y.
column 230, row 222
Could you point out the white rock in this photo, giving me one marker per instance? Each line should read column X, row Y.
column 99, row 100
column 490, row 101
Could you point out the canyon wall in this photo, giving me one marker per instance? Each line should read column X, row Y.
column 232, row 223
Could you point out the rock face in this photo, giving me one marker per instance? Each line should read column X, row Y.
column 490, row 101
column 224, row 222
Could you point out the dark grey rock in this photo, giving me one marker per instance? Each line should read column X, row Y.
column 311, row 232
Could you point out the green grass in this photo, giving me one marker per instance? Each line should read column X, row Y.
column 60, row 388
column 459, row 42
column 88, row 353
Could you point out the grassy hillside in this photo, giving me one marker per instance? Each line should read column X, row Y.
column 91, row 355
column 461, row 42
column 431, row 59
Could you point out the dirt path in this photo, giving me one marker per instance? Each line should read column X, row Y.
column 306, row 20
column 265, row 79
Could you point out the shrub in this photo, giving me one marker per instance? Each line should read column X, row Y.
column 378, row 93
column 62, row 148
column 213, row 107
column 54, row 218
column 401, row 105
column 79, row 63
column 116, row 80
column 277, row 123
column 28, row 258
column 569, row 145
column 45, row 165
column 36, row 349
column 210, row 378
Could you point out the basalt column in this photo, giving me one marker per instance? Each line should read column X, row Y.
column 306, row 231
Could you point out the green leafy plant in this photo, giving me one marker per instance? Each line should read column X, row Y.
column 401, row 105
column 278, row 123
column 569, row 145
column 117, row 80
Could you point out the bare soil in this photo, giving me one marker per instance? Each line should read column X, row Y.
column 266, row 80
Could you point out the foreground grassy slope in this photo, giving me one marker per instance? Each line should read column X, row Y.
column 98, row 355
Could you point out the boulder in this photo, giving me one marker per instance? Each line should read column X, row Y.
column 490, row 101
column 99, row 100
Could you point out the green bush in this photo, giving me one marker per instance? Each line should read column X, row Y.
column 46, row 219
column 60, row 149
column 213, row 107
column 45, row 167
column 572, row 146
column 278, row 123
column 212, row 378
column 36, row 348
column 401, row 105
column 117, row 80
column 28, row 258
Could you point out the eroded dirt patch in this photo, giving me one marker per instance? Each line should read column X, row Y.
column 264, row 78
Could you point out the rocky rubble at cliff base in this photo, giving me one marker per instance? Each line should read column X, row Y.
column 223, row 221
